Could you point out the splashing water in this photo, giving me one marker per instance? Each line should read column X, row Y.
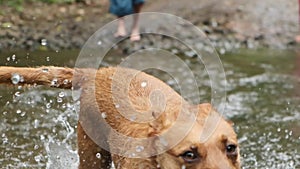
column 38, row 131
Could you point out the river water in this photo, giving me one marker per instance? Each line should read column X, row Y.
column 38, row 124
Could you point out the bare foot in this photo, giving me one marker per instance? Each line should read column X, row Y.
column 297, row 38
column 120, row 34
column 135, row 34
column 135, row 37
column 121, row 31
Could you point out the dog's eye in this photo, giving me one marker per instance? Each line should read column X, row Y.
column 190, row 156
column 231, row 149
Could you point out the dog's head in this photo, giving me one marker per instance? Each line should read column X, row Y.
column 201, row 150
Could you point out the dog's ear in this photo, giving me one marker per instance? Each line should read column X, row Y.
column 207, row 108
column 230, row 122
column 162, row 122
column 182, row 115
column 171, row 125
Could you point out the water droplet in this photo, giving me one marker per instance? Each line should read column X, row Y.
column 117, row 106
column 139, row 149
column 48, row 105
column 99, row 43
column 59, row 100
column 8, row 59
column 36, row 124
column 13, row 57
column 45, row 70
column 190, row 53
column 103, row 115
column 47, row 58
column 37, row 158
column 42, row 137
column 23, row 114
column 132, row 155
column 278, row 129
column 287, row 136
column 44, row 42
column 98, row 155
column 61, row 94
column 15, row 78
column 17, row 94
column 57, row 157
column 5, row 140
column 36, row 147
column 144, row 84
column 21, row 79
column 19, row 111
column 54, row 82
column 66, row 81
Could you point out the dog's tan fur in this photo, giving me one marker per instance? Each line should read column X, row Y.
column 211, row 154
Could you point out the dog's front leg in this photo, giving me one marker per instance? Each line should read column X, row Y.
column 90, row 154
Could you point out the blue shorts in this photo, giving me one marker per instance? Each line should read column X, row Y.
column 123, row 7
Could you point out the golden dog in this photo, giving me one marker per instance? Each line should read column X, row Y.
column 108, row 91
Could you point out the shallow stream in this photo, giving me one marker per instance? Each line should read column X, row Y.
column 38, row 124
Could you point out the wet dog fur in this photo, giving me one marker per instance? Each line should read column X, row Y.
column 122, row 86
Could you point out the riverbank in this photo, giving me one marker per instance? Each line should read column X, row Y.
column 254, row 24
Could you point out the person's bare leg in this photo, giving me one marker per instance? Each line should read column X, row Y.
column 121, row 31
column 297, row 38
column 135, row 32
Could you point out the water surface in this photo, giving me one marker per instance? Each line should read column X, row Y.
column 38, row 124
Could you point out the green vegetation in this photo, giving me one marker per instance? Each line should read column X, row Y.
column 18, row 4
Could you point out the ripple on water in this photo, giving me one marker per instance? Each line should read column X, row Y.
column 264, row 106
column 23, row 137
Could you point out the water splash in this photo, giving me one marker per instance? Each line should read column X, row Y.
column 15, row 78
column 60, row 156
